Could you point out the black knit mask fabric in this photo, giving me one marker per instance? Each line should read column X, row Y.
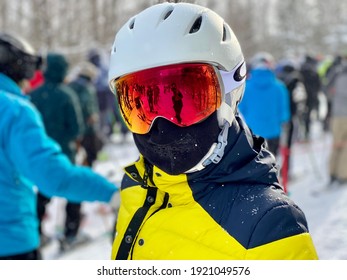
column 177, row 149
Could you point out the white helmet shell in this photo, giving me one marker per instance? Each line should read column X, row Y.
column 170, row 33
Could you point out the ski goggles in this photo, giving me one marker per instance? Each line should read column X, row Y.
column 184, row 94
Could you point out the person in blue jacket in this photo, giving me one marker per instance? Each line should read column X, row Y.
column 30, row 160
column 265, row 105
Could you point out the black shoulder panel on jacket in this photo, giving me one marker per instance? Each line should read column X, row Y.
column 127, row 182
column 279, row 222
column 253, row 215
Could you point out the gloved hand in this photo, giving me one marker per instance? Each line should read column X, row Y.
column 111, row 207
column 115, row 201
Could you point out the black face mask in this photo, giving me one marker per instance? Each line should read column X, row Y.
column 177, row 149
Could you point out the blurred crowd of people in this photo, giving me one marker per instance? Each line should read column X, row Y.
column 283, row 98
column 90, row 116
column 46, row 121
column 80, row 113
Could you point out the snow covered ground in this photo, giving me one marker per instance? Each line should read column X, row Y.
column 326, row 211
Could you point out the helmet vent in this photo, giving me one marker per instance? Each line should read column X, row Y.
column 226, row 33
column 132, row 24
column 168, row 13
column 196, row 25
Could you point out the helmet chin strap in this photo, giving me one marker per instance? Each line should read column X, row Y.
column 216, row 152
column 225, row 117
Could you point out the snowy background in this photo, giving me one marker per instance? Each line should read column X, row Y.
column 326, row 211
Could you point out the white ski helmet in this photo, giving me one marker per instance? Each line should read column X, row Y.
column 263, row 60
column 173, row 33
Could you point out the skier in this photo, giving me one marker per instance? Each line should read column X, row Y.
column 329, row 89
column 204, row 187
column 108, row 110
column 338, row 157
column 312, row 85
column 84, row 88
column 50, row 99
column 291, row 77
column 265, row 105
column 29, row 158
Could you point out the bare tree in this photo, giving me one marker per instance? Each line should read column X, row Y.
column 3, row 14
column 75, row 26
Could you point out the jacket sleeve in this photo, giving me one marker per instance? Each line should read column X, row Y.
column 282, row 234
column 39, row 159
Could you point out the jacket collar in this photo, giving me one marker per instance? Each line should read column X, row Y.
column 246, row 160
column 8, row 85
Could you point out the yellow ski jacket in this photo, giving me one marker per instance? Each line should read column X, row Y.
column 232, row 210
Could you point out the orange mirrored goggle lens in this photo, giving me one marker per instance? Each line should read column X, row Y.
column 184, row 94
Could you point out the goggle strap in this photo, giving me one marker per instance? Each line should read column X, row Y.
column 227, row 78
column 219, row 149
